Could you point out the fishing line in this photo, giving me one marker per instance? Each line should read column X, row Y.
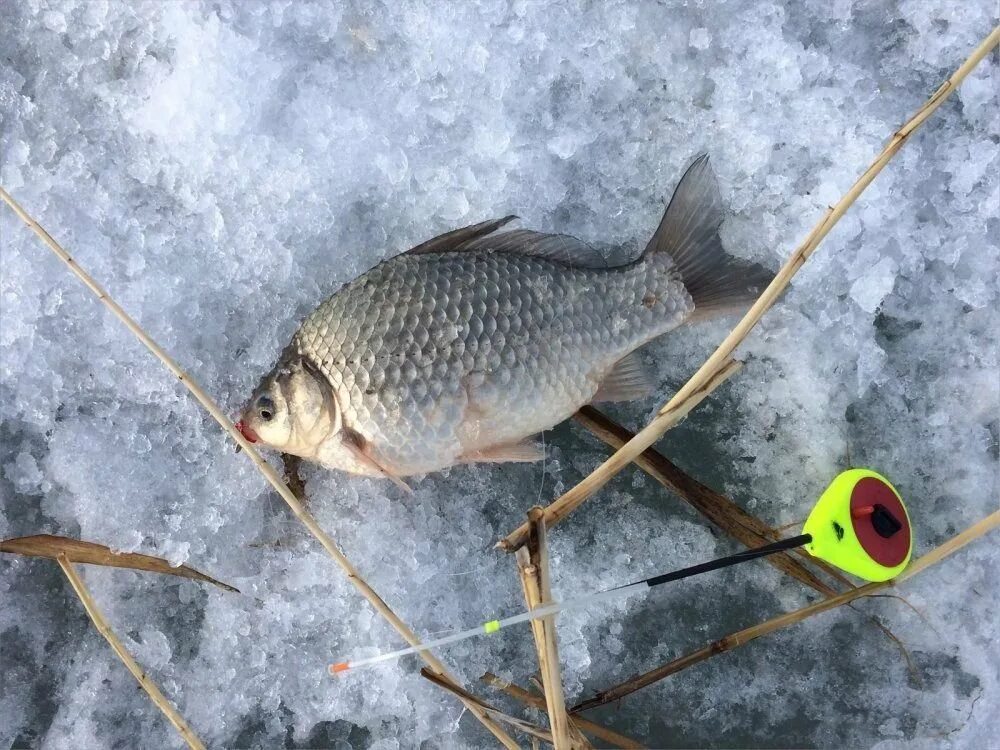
column 859, row 525
column 541, row 486
column 492, row 626
column 480, row 569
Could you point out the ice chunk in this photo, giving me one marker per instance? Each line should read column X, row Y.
column 874, row 284
column 24, row 473
column 700, row 38
column 222, row 166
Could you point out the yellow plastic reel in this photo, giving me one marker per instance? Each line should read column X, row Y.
column 831, row 526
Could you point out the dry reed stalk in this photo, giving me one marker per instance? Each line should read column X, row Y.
column 265, row 468
column 548, row 650
column 953, row 545
column 716, row 507
column 528, row 575
column 539, row 550
column 161, row 701
column 566, row 504
column 529, row 585
column 592, row 728
column 466, row 697
column 706, row 379
column 742, row 637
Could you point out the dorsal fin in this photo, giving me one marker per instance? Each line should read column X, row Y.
column 561, row 248
column 451, row 241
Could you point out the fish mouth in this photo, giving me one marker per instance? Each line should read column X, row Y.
column 246, row 432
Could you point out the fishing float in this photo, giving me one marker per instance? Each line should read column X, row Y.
column 859, row 525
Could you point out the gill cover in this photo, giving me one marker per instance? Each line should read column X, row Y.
column 860, row 525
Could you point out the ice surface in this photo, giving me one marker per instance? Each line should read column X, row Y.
column 222, row 166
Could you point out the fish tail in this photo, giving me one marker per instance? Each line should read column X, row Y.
column 689, row 234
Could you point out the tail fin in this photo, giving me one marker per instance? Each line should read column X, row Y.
column 689, row 233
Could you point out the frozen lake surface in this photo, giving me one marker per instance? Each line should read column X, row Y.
column 223, row 166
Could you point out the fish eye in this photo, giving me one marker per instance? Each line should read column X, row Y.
column 265, row 408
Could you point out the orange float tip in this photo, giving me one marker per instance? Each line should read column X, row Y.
column 339, row 667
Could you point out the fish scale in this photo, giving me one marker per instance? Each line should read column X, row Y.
column 420, row 343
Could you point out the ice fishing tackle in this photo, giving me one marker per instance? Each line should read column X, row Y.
column 859, row 524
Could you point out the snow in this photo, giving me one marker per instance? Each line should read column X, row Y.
column 222, row 166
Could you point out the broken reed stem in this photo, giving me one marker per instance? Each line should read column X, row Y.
column 566, row 504
column 549, row 654
column 742, row 637
column 161, row 701
column 716, row 507
column 706, row 379
column 263, row 466
column 528, row 562
column 592, row 728
column 529, row 585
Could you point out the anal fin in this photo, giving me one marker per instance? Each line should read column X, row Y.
column 522, row 452
column 628, row 380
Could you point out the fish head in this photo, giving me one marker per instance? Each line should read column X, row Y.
column 293, row 410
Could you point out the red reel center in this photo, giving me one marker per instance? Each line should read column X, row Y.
column 880, row 522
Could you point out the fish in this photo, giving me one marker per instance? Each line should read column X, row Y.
column 465, row 348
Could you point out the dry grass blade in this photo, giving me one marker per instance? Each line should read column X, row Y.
column 263, row 466
column 147, row 684
column 592, row 728
column 74, row 550
column 742, row 637
column 906, row 602
column 910, row 664
column 706, row 379
column 468, row 697
column 716, row 507
column 569, row 502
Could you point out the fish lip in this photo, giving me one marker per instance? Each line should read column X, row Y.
column 246, row 432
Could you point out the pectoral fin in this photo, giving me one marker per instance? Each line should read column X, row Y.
column 359, row 447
